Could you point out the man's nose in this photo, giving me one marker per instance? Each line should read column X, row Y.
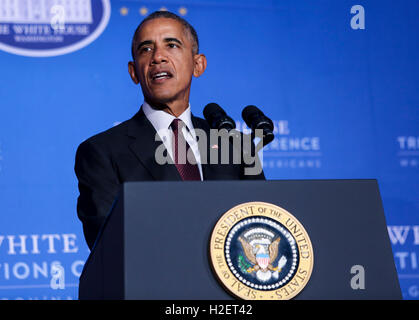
column 159, row 56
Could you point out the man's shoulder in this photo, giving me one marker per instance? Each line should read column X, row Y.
column 109, row 138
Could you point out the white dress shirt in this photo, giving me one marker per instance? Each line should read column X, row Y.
column 162, row 120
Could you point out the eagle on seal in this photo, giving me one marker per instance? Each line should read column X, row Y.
column 259, row 257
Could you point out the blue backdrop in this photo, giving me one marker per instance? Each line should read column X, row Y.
column 339, row 79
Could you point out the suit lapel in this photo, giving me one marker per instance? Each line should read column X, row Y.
column 204, row 149
column 145, row 145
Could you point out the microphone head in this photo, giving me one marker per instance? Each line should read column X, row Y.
column 217, row 118
column 249, row 113
column 212, row 109
column 256, row 119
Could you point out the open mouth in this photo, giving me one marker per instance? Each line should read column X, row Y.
column 162, row 75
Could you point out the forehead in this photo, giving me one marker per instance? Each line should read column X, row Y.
column 161, row 28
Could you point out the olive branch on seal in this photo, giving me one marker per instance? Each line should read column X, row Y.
column 243, row 264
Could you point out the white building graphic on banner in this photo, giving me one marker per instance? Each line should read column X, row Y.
column 41, row 11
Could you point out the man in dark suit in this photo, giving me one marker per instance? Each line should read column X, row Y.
column 165, row 52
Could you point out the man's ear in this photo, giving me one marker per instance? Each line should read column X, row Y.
column 200, row 64
column 132, row 73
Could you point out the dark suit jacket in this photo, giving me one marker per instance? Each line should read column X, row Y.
column 127, row 153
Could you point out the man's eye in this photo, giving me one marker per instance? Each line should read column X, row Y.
column 173, row 45
column 145, row 49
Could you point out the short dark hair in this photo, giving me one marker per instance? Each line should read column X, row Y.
column 169, row 15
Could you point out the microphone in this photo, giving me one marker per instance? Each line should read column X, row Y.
column 217, row 118
column 243, row 147
column 256, row 119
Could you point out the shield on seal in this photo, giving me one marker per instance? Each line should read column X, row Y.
column 262, row 260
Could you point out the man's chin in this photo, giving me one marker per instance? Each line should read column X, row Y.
column 160, row 102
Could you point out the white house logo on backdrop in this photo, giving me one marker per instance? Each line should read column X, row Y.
column 289, row 151
column 45, row 28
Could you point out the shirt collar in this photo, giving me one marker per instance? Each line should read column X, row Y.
column 161, row 120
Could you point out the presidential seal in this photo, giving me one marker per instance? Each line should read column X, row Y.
column 260, row 251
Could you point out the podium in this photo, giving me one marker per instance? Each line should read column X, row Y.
column 155, row 241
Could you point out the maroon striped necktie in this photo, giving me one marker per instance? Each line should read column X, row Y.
column 187, row 170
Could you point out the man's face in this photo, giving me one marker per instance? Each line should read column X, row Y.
column 164, row 62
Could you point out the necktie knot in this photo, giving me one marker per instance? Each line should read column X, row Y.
column 176, row 125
